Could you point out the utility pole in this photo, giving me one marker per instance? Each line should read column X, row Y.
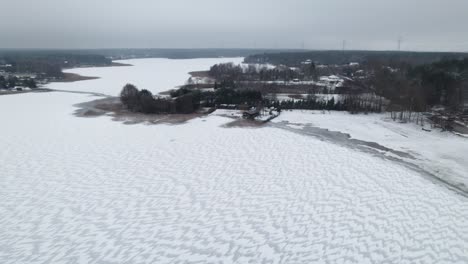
column 344, row 45
column 400, row 40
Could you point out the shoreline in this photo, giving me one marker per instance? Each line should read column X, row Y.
column 113, row 64
column 35, row 90
column 74, row 77
column 119, row 64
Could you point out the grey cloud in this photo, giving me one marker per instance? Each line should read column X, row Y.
column 316, row 24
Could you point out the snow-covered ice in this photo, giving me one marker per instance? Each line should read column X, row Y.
column 91, row 190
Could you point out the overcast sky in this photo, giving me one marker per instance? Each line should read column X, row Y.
column 312, row 24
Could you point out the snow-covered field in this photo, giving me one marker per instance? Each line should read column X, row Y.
column 91, row 190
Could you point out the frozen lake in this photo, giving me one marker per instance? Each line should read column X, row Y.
column 91, row 190
column 155, row 75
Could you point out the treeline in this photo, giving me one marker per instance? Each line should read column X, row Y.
column 166, row 53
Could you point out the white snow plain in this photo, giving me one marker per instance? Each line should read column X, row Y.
column 91, row 190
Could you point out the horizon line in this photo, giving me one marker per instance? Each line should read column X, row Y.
column 242, row 48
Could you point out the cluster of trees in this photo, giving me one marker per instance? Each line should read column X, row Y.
column 232, row 96
column 220, row 96
column 226, row 71
column 143, row 101
column 402, row 92
column 418, row 88
column 282, row 79
column 13, row 81
column 445, row 82
column 277, row 74
column 185, row 100
column 232, row 72
column 350, row 103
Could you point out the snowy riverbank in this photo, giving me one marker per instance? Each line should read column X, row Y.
column 442, row 154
